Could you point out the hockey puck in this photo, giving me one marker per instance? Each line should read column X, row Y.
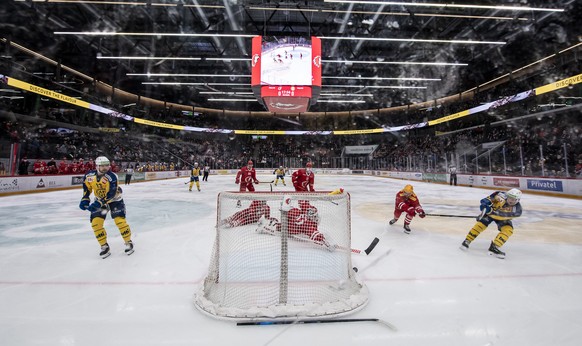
column 355, row 269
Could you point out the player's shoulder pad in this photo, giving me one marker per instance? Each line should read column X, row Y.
column 112, row 177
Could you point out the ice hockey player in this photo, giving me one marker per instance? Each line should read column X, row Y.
column 280, row 173
column 407, row 202
column 499, row 207
column 302, row 224
column 194, row 177
column 304, row 178
column 246, row 176
column 103, row 183
column 247, row 216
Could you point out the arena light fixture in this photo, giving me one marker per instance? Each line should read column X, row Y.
column 195, row 83
column 125, row 3
column 160, row 34
column 412, row 40
column 341, row 101
column 186, row 58
column 448, row 5
column 231, row 100
column 443, row 15
column 384, row 78
column 189, row 75
column 395, row 62
column 373, row 86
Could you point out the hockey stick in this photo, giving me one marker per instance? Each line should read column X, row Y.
column 266, row 182
column 441, row 215
column 374, row 242
column 318, row 321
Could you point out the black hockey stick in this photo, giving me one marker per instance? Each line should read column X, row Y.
column 344, row 320
column 441, row 215
column 374, row 242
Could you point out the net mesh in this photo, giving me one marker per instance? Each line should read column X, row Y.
column 273, row 263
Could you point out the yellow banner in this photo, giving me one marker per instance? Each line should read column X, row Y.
column 258, row 132
column 357, row 132
column 559, row 84
column 449, row 117
column 158, row 124
column 108, row 129
column 45, row 92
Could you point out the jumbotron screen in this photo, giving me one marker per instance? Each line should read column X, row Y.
column 286, row 72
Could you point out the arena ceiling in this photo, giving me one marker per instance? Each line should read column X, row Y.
column 380, row 54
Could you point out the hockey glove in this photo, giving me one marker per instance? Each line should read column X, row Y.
column 84, row 205
column 95, row 206
column 256, row 181
column 420, row 212
column 485, row 208
column 237, row 182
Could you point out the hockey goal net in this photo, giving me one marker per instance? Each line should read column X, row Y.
column 279, row 255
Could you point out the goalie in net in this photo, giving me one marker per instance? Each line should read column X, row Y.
column 302, row 224
column 254, row 275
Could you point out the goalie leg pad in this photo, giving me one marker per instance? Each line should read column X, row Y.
column 268, row 225
column 98, row 230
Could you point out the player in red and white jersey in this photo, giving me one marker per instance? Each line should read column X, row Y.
column 407, row 202
column 304, row 178
column 247, row 216
column 302, row 223
column 246, row 177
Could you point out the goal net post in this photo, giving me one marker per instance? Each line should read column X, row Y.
column 279, row 255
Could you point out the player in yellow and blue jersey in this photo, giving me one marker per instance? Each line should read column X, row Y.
column 499, row 207
column 280, row 172
column 103, row 183
column 194, row 177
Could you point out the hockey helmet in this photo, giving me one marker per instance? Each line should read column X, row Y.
column 102, row 161
column 408, row 189
column 250, row 163
column 195, row 164
column 513, row 196
column 102, row 164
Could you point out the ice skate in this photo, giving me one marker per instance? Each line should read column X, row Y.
column 494, row 251
column 393, row 221
column 105, row 251
column 465, row 245
column 407, row 229
column 129, row 248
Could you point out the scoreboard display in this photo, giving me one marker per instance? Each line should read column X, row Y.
column 286, row 72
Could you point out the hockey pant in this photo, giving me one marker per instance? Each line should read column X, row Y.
column 410, row 213
column 118, row 215
column 247, row 186
column 505, row 228
column 192, row 181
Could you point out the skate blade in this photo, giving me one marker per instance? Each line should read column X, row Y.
column 462, row 248
column 496, row 255
column 106, row 255
column 130, row 252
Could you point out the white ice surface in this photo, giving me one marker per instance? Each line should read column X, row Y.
column 56, row 290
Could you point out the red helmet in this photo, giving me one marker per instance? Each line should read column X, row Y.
column 309, row 165
column 250, row 163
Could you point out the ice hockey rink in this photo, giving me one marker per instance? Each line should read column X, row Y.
column 56, row 290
